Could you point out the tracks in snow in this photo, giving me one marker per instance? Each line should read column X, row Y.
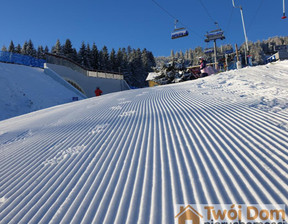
column 132, row 159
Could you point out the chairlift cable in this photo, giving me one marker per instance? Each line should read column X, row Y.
column 175, row 19
column 207, row 12
column 227, row 31
column 255, row 14
column 168, row 13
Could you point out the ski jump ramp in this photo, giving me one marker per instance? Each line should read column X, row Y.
column 87, row 84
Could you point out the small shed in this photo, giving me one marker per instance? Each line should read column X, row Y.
column 151, row 79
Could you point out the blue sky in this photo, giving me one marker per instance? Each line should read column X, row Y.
column 137, row 23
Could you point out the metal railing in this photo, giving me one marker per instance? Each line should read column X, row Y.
column 60, row 60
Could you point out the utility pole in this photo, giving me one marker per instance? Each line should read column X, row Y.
column 244, row 29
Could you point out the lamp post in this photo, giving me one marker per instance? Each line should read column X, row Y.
column 244, row 29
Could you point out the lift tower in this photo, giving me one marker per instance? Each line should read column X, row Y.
column 213, row 36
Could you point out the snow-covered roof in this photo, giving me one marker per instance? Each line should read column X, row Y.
column 151, row 76
column 130, row 157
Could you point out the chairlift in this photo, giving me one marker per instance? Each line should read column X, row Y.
column 230, row 51
column 179, row 32
column 284, row 16
column 208, row 50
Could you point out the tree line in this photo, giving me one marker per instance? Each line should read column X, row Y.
column 133, row 64
column 259, row 51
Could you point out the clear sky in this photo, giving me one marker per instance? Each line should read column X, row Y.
column 142, row 24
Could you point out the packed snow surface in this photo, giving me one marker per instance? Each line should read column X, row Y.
column 24, row 89
column 130, row 157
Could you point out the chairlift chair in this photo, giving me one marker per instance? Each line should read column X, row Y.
column 284, row 16
column 208, row 50
column 179, row 32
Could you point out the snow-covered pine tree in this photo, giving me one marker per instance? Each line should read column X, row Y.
column 119, row 60
column 82, row 55
column 40, row 52
column 113, row 61
column 104, row 58
column 138, row 72
column 172, row 55
column 18, row 49
column 57, row 48
column 181, row 55
column 68, row 50
column 125, row 66
column 24, row 48
column 88, row 56
column 30, row 50
column 4, row 48
column 11, row 47
column 46, row 49
column 148, row 61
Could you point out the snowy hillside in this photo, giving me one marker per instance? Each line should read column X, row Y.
column 25, row 89
column 130, row 157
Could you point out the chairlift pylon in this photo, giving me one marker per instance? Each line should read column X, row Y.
column 284, row 16
column 179, row 32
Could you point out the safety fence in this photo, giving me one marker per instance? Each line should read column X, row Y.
column 60, row 60
column 9, row 57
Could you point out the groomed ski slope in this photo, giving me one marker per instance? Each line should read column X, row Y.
column 130, row 157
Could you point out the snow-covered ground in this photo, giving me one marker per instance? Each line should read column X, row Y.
column 25, row 89
column 130, row 157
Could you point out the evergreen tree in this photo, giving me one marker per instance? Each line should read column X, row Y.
column 125, row 57
column 18, row 49
column 82, row 55
column 94, row 57
column 40, row 52
column 24, row 48
column 88, row 56
column 181, row 55
column 57, row 48
column 125, row 67
column 113, row 61
column 137, row 70
column 129, row 50
column 30, row 50
column 4, row 48
column 68, row 50
column 104, row 59
column 119, row 60
column 148, row 61
column 177, row 55
column 11, row 47
column 172, row 55
column 46, row 49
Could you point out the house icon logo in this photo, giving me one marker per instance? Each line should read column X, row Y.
column 188, row 215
